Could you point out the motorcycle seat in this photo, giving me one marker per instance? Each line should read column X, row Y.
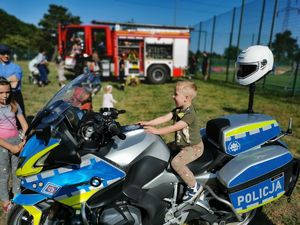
column 199, row 165
column 202, row 163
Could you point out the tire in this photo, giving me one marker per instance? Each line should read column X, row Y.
column 158, row 74
column 19, row 216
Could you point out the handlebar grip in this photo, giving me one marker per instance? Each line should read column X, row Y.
column 122, row 136
column 121, row 111
column 114, row 129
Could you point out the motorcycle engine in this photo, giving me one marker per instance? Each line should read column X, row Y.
column 124, row 214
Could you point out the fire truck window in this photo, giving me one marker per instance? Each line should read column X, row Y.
column 75, row 41
column 129, row 48
column 159, row 51
column 99, row 42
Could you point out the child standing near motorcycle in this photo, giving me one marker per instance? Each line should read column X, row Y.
column 187, row 138
column 108, row 99
column 10, row 142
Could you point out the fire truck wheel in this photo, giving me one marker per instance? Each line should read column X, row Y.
column 157, row 74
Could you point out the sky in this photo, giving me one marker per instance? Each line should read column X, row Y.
column 161, row 12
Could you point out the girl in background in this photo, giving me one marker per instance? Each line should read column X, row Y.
column 10, row 142
column 108, row 99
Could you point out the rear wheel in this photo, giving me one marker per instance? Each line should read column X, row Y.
column 158, row 74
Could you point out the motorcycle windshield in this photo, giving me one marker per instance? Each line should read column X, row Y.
column 76, row 93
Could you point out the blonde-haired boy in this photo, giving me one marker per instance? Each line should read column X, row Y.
column 187, row 138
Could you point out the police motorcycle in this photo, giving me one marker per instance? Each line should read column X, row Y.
column 85, row 168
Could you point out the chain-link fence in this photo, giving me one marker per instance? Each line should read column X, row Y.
column 275, row 23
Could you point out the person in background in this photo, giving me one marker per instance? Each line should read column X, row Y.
column 205, row 66
column 10, row 141
column 60, row 66
column 15, row 56
column 108, row 99
column 34, row 75
column 13, row 73
column 193, row 66
column 187, row 138
column 122, row 70
column 42, row 65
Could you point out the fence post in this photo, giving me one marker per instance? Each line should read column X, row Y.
column 261, row 21
column 239, row 33
column 199, row 36
column 230, row 43
column 212, row 43
column 271, row 34
column 213, row 35
column 296, row 74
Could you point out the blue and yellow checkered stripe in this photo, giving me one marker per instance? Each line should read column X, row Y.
column 251, row 135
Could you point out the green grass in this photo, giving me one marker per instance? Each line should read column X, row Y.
column 215, row 98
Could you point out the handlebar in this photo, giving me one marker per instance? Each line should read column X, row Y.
column 111, row 112
column 114, row 129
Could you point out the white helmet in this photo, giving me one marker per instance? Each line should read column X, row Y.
column 253, row 63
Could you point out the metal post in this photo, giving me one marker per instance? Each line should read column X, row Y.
column 230, row 43
column 296, row 74
column 199, row 37
column 261, row 21
column 251, row 98
column 252, row 40
column 273, row 23
column 212, row 44
column 205, row 37
column 271, row 33
column 213, row 35
column 239, row 33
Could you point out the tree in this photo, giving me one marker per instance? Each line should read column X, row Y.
column 231, row 52
column 23, row 38
column 56, row 14
column 284, row 47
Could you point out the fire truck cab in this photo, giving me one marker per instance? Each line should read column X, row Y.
column 152, row 52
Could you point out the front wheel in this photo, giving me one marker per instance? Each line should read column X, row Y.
column 19, row 216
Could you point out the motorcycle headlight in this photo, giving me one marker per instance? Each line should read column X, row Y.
column 41, row 161
column 21, row 161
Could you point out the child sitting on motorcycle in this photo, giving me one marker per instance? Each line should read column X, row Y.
column 187, row 139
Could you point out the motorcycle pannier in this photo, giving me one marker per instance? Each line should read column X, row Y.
column 235, row 134
column 257, row 177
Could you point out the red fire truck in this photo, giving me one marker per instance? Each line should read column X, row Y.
column 152, row 52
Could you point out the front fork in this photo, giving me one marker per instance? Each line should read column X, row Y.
column 35, row 212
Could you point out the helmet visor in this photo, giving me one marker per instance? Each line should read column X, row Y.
column 244, row 70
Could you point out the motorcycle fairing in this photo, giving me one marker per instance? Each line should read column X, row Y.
column 35, row 212
column 34, row 150
column 71, row 185
column 28, row 199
